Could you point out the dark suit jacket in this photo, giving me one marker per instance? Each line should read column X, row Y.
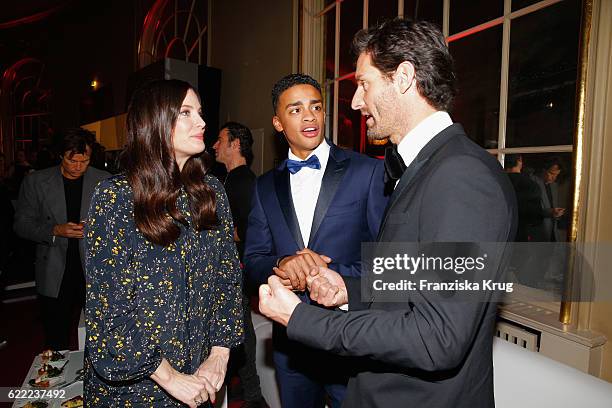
column 544, row 231
column 239, row 189
column 529, row 205
column 425, row 353
column 348, row 211
column 41, row 206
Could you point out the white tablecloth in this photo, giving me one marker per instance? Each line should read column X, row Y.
column 75, row 363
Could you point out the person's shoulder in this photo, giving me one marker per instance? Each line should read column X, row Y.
column 97, row 173
column 247, row 177
column 249, row 174
column 115, row 185
column 523, row 179
column 114, row 198
column 537, row 180
column 468, row 164
column 43, row 174
column 47, row 171
column 460, row 148
column 242, row 173
column 213, row 182
column 268, row 176
column 460, row 158
column 356, row 158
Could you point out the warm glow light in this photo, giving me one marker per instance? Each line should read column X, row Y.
column 378, row 142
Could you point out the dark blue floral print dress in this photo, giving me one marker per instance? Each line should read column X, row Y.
column 146, row 302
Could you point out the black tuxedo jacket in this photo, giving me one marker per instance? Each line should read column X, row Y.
column 425, row 353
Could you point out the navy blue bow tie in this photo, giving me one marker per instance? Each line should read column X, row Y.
column 296, row 165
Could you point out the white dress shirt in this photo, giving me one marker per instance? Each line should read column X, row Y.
column 417, row 138
column 305, row 187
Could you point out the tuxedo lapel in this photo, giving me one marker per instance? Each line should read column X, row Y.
column 410, row 176
column 336, row 167
column 407, row 179
column 283, row 194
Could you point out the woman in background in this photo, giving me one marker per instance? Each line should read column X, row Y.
column 163, row 280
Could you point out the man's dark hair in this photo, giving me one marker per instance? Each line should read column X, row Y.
column 238, row 131
column 289, row 81
column 419, row 42
column 76, row 141
column 552, row 161
column 511, row 160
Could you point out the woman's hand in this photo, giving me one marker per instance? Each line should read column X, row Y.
column 215, row 367
column 192, row 390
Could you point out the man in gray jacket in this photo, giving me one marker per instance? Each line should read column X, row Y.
column 51, row 211
column 552, row 212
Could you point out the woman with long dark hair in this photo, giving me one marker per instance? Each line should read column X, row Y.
column 163, row 280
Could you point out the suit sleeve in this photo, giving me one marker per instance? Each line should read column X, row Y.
column 353, row 289
column 119, row 347
column 463, row 201
column 28, row 223
column 259, row 252
column 375, row 207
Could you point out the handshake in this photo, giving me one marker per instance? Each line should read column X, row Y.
column 304, row 270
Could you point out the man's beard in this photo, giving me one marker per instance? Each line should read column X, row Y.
column 374, row 134
column 387, row 109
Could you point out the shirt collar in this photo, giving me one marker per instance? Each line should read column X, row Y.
column 322, row 152
column 417, row 138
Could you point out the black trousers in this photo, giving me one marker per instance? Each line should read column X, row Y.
column 60, row 316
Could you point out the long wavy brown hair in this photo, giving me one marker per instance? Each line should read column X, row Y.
column 151, row 168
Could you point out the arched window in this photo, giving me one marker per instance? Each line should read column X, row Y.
column 174, row 29
column 26, row 117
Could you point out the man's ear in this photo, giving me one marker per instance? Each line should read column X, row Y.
column 404, row 76
column 236, row 144
column 277, row 124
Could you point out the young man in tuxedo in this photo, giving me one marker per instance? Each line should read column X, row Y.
column 422, row 351
column 316, row 208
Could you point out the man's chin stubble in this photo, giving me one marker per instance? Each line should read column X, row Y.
column 374, row 135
